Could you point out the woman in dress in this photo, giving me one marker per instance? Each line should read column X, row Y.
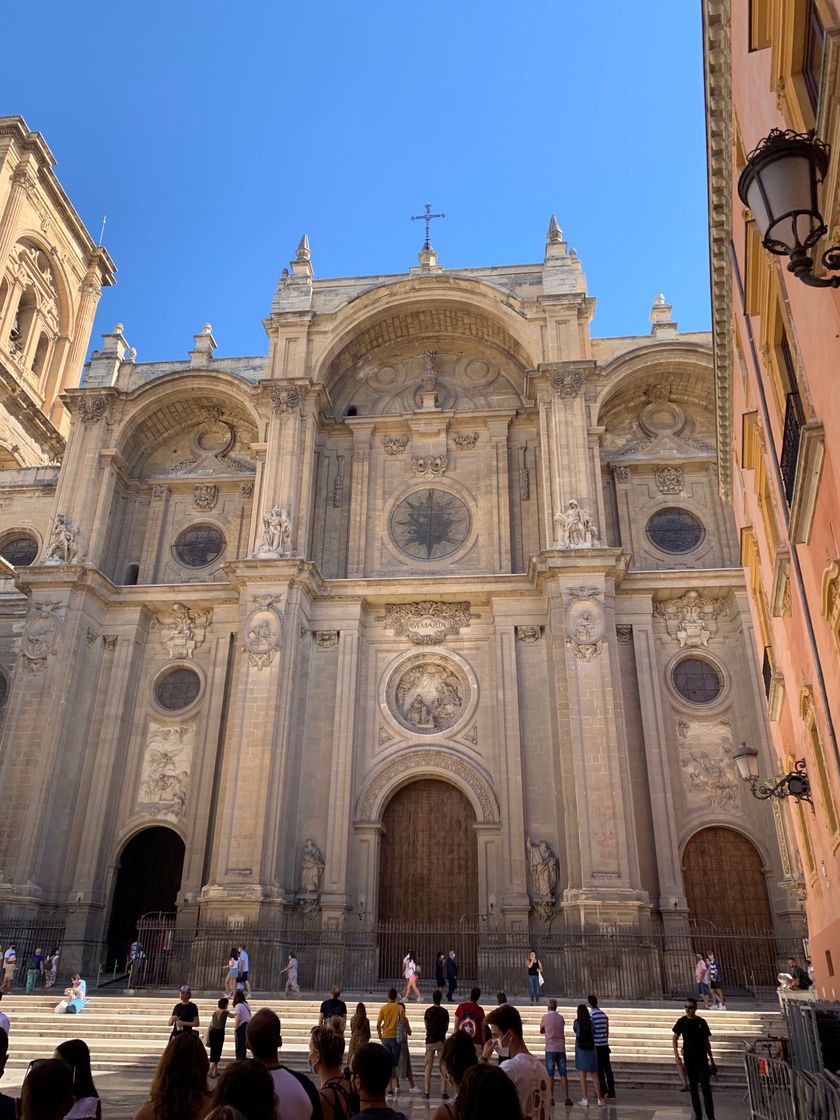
column 410, row 972
column 534, row 968
column 338, row 1098
column 87, row 1105
column 586, row 1056
column 241, row 1017
column 216, row 1034
column 403, row 1068
column 232, row 973
column 359, row 1032
column 50, row 969
column 179, row 1088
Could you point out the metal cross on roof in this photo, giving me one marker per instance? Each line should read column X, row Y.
column 427, row 218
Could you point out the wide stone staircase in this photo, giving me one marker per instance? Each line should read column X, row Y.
column 125, row 1030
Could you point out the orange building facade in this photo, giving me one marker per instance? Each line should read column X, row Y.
column 775, row 64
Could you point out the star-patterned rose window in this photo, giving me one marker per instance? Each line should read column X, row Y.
column 430, row 524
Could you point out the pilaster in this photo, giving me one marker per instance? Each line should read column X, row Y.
column 359, row 496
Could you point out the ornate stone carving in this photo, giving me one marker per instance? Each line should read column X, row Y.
column 325, row 639
column 709, row 772
column 434, row 465
column 109, row 641
column 624, row 633
column 184, row 629
column 576, row 526
column 428, row 693
column 62, row 548
column 529, row 634
column 586, row 623
column 567, row 383
column 159, row 493
column 277, row 534
column 338, row 484
column 544, row 873
column 471, row 736
column 90, row 636
column 40, row 634
column 263, row 631
column 385, row 737
column 285, row 398
column 183, row 466
column 165, row 775
column 524, row 476
column 311, row 873
column 246, row 489
column 204, row 497
column 430, row 761
column 426, row 623
column 670, row 480
column 91, row 409
column 465, row 440
column 692, row 618
column 394, row 445
column 236, row 466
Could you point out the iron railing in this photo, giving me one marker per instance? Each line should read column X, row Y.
column 779, row 1091
column 27, row 935
column 791, row 438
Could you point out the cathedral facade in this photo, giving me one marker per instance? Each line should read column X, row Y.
column 432, row 611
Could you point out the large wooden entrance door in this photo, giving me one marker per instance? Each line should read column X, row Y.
column 724, row 882
column 428, row 864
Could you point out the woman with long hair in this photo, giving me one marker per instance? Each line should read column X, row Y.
column 51, row 968
column 179, row 1088
column 359, row 1032
column 534, row 969
column 586, row 1056
column 87, row 1105
column 411, row 971
column 338, row 1097
column 241, row 1018
column 232, row 972
column 458, row 1055
column 487, row 1093
column 247, row 1087
column 216, row 1034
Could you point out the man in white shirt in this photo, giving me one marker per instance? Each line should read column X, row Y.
column 244, row 970
column 524, row 1069
column 295, row 1097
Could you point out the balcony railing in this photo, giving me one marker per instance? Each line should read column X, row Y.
column 767, row 672
column 794, row 422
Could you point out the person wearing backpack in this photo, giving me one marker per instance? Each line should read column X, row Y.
column 586, row 1056
column 469, row 1017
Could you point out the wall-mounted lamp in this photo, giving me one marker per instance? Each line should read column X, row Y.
column 794, row 784
column 779, row 185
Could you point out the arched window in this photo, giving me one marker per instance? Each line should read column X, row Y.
column 40, row 357
column 132, row 573
column 22, row 322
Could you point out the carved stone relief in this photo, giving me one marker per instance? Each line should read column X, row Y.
column 263, row 631
column 428, row 693
column 576, row 527
column 429, row 465
column 544, row 875
column 91, row 409
column 62, row 548
column 183, row 629
column 204, row 497
column 670, row 480
column 246, row 489
column 709, row 771
column 529, row 634
column 622, row 474
column 567, row 383
column 277, row 534
column 586, row 623
column 624, row 633
column 465, row 440
column 311, row 874
column 40, row 634
column 284, row 398
column 325, row 639
column 165, row 775
column 394, row 445
column 426, row 623
column 692, row 619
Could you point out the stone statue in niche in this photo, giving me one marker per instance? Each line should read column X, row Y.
column 311, row 873
column 277, row 533
column 544, row 873
column 577, row 526
column 184, row 629
column 62, row 547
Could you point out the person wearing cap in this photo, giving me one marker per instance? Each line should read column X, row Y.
column 184, row 1015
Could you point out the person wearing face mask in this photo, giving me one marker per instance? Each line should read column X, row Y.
column 524, row 1069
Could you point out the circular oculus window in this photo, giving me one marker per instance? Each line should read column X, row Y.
column 176, row 689
column 697, row 680
column 430, row 524
column 675, row 530
column 199, row 546
column 19, row 550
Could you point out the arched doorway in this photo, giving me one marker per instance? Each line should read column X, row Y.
column 728, row 904
column 148, row 881
column 428, row 875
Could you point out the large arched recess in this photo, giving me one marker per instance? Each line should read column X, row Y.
column 148, row 880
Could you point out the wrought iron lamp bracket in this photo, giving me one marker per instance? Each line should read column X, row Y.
column 794, row 784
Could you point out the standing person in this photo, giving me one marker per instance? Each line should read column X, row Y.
column 359, row 1032
column 232, row 972
column 404, row 1064
column 715, row 981
column 524, row 1069
column 601, row 1031
column 458, row 1056
column 241, row 1018
column 451, row 975
column 34, row 970
column 51, row 968
column 244, row 964
column 245, row 1090
column 295, row 1096
column 216, row 1034
column 291, row 971
column 386, row 1028
column 179, row 1088
column 488, row 1093
column 332, row 1008
column 47, row 1091
column 87, row 1105
column 436, row 1019
column 586, row 1056
column 701, row 970
column 469, row 1017
column 553, row 1026
column 371, row 1074
column 9, row 961
column 339, row 1101
column 696, row 1057
column 534, row 968
column 440, row 971
column 411, row 970
column 136, row 963
column 184, row 1015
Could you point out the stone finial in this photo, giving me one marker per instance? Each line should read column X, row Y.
column 555, row 246
column 104, row 365
column 302, row 264
column 428, row 260
column 205, row 344
column 555, row 233
column 664, row 326
column 303, row 251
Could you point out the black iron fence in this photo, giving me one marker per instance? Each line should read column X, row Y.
column 27, row 935
column 778, row 1091
column 368, row 957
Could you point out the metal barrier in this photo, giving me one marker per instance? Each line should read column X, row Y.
column 779, row 1092
column 27, row 935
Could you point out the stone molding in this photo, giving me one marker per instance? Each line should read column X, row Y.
column 433, row 762
column 426, row 623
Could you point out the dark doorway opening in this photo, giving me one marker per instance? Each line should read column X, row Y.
column 148, row 880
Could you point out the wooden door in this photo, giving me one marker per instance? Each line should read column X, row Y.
column 724, row 882
column 428, row 864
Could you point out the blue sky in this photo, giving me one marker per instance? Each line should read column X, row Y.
column 213, row 135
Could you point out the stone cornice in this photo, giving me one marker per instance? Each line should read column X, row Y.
column 718, row 85
column 28, row 411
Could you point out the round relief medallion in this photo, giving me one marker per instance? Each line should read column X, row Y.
column 430, row 524
column 428, row 694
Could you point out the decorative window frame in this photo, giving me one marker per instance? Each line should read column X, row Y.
column 178, row 713
column 820, row 775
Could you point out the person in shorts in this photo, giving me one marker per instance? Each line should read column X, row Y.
column 701, row 970
column 553, row 1026
column 9, row 962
